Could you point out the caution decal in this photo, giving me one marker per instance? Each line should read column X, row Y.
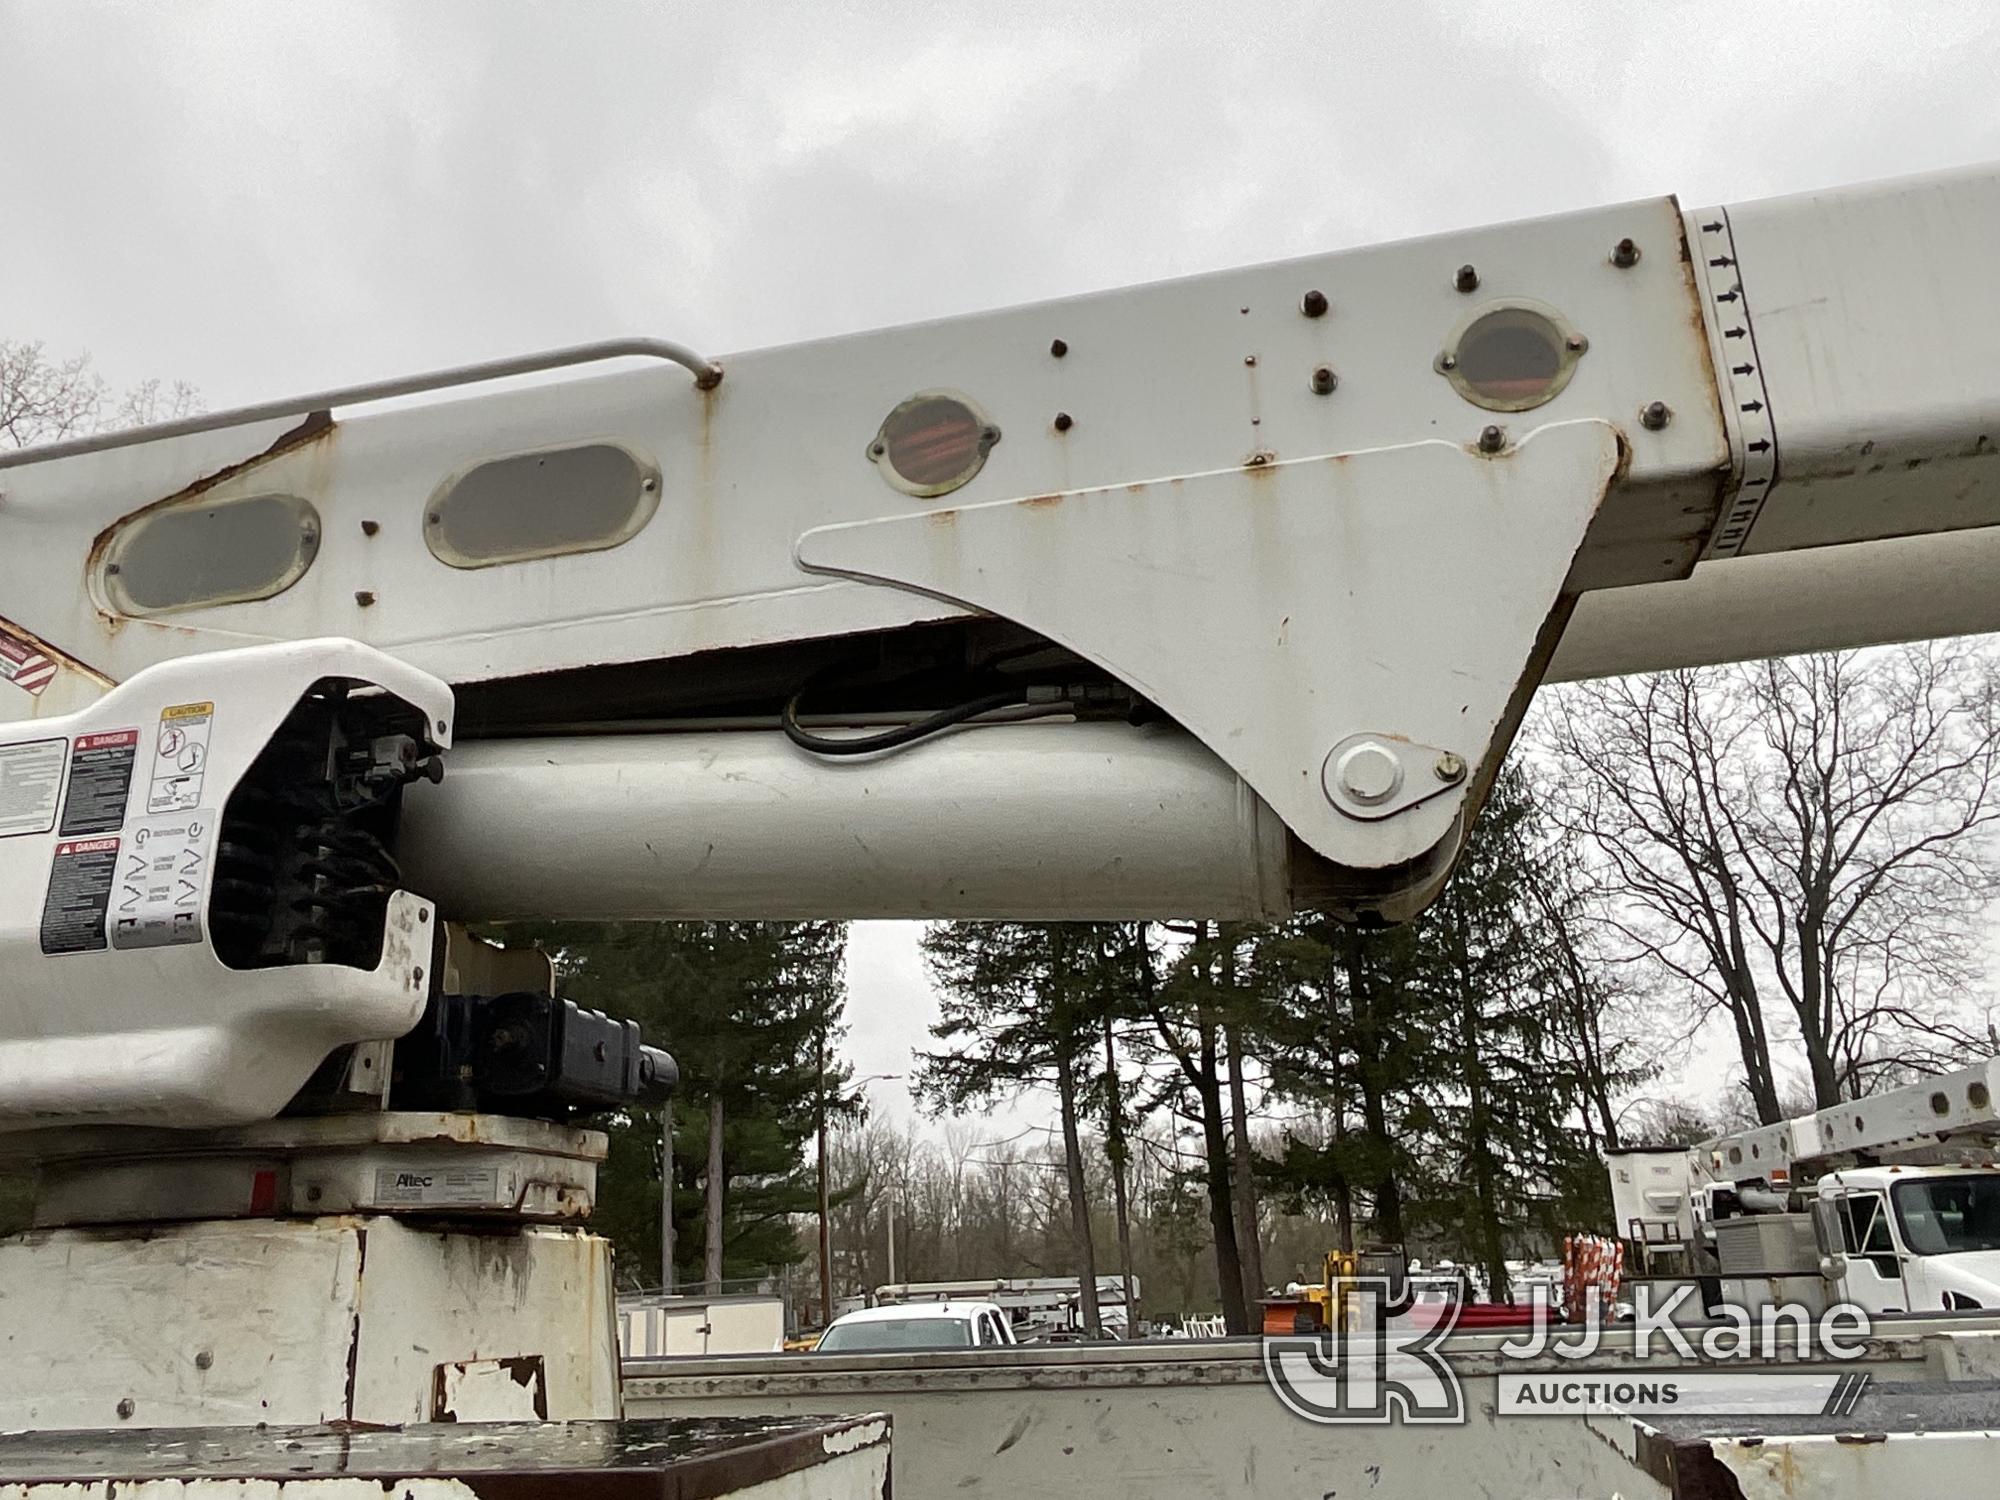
column 180, row 758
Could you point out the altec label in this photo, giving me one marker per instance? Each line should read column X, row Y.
column 409, row 1186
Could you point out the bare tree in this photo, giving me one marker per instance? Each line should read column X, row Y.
column 1590, row 1001
column 44, row 399
column 152, row 401
column 714, row 1177
column 1797, row 844
column 1668, row 1122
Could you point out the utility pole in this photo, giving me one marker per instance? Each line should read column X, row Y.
column 825, row 1219
column 892, row 1236
column 667, row 1198
column 825, row 1233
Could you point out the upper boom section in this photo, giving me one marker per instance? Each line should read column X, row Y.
column 1331, row 516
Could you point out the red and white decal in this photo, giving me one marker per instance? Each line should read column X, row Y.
column 23, row 665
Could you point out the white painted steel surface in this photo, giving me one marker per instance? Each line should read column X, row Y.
column 1288, row 630
column 414, row 1487
column 810, row 1460
column 1162, row 380
column 1200, row 391
column 1175, row 528
column 840, row 1476
column 1653, row 1187
column 1197, row 1419
column 233, row 1323
column 1190, row 1437
column 1963, row 1107
column 706, row 372
column 1785, row 603
column 1862, row 1466
column 168, row 1035
column 1870, row 317
column 1024, row 821
column 461, row 1165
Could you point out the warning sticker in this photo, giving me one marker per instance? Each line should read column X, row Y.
column 79, row 894
column 423, row 1185
column 162, row 872
column 24, row 665
column 30, row 783
column 100, row 779
column 180, row 758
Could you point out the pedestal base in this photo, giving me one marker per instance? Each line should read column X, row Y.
column 722, row 1458
column 362, row 1318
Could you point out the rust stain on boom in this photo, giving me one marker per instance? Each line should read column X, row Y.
column 315, row 427
column 312, row 429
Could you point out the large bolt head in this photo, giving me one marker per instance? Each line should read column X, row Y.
column 1369, row 773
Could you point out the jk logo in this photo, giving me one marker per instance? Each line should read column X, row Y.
column 1380, row 1363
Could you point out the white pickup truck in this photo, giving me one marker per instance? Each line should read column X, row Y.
column 931, row 1325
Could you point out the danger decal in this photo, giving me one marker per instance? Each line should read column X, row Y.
column 79, row 895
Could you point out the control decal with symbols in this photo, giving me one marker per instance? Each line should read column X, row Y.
column 162, row 873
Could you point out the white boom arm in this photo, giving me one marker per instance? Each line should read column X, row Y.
column 1956, row 1109
column 1654, row 1187
column 1323, row 526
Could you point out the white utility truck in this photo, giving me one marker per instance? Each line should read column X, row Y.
column 1221, row 597
column 1890, row 1203
column 1035, row 1306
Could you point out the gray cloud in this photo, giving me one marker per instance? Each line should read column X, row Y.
column 260, row 198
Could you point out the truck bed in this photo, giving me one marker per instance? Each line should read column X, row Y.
column 1196, row 1419
column 1907, row 1440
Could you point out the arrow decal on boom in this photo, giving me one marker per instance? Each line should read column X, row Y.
column 1754, row 435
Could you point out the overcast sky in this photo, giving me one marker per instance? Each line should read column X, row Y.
column 268, row 199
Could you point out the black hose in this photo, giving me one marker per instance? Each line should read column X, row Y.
column 901, row 734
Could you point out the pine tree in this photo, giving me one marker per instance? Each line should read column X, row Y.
column 1461, row 1063
column 742, row 1006
column 1024, row 1006
column 1525, row 1069
column 1189, row 1012
column 1496, row 1085
column 1345, row 1038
